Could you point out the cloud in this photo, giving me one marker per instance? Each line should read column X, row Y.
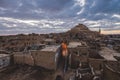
column 57, row 15
column 13, row 25
column 53, row 5
column 116, row 16
column 104, row 6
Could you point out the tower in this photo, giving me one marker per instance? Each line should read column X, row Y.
column 99, row 30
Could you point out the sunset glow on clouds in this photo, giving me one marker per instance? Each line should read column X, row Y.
column 111, row 32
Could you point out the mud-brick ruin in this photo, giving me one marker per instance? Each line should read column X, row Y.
column 93, row 56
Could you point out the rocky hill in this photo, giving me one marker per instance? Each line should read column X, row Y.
column 78, row 33
column 83, row 31
column 79, row 28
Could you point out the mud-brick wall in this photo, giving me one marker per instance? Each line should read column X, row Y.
column 36, row 58
column 23, row 58
column 44, row 59
column 110, row 75
column 4, row 60
column 97, row 64
column 79, row 50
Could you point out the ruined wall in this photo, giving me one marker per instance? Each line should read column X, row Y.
column 110, row 75
column 21, row 58
column 79, row 50
column 44, row 59
column 4, row 60
column 36, row 58
column 97, row 64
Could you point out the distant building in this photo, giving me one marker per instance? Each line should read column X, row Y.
column 99, row 30
column 4, row 60
column 35, row 47
column 74, row 44
column 79, row 48
column 52, row 48
column 50, row 41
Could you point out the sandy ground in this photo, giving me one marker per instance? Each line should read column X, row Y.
column 27, row 73
column 32, row 73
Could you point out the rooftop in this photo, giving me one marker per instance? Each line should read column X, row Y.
column 109, row 54
column 74, row 44
column 3, row 55
column 51, row 48
column 49, row 40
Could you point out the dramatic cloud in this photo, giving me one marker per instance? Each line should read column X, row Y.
column 45, row 16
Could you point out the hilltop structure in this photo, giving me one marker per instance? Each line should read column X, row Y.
column 37, row 50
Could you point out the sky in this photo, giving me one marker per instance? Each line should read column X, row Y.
column 49, row 16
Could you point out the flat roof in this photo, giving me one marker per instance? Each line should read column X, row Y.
column 3, row 55
column 51, row 48
column 74, row 44
column 109, row 54
column 49, row 40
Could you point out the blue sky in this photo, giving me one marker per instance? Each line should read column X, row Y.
column 46, row 16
